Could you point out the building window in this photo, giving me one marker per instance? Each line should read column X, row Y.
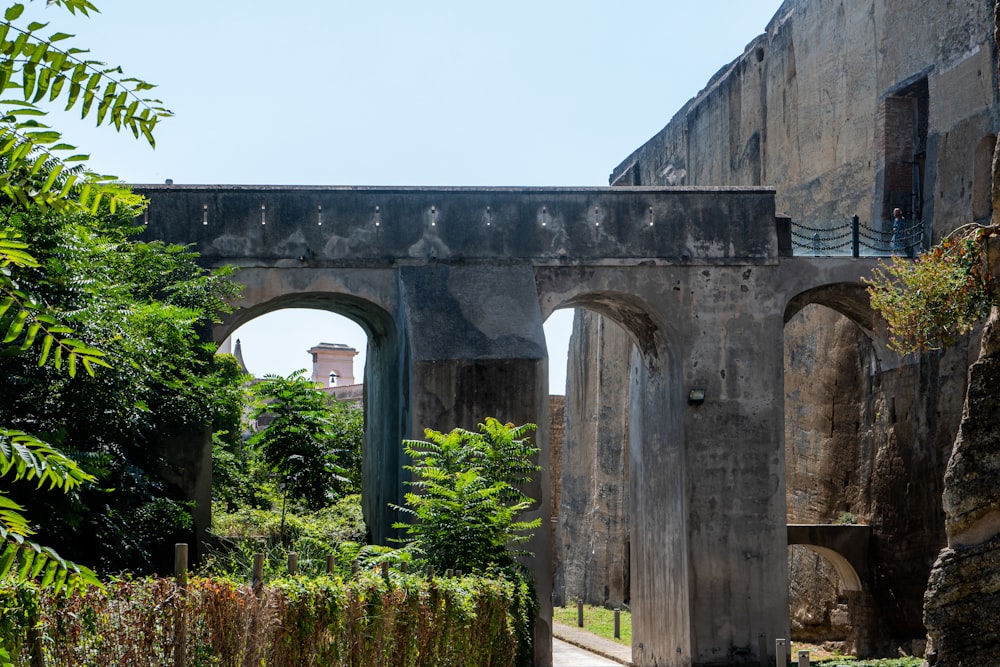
column 904, row 150
column 982, row 179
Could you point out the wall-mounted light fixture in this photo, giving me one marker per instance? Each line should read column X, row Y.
column 696, row 396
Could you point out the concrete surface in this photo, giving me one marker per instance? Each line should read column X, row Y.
column 574, row 647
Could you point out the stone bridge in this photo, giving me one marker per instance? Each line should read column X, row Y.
column 452, row 286
column 848, row 548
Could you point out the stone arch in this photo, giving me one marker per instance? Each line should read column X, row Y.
column 634, row 316
column 654, row 470
column 381, row 481
column 850, row 299
column 823, row 442
column 846, row 547
column 848, row 575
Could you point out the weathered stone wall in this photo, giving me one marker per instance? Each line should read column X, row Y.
column 820, row 107
column 869, row 442
column 962, row 600
column 557, row 421
column 592, row 538
column 804, row 109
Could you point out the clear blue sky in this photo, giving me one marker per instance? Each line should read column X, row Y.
column 400, row 93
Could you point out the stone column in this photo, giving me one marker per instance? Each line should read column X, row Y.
column 659, row 513
column 475, row 348
column 714, row 409
column 862, row 613
column 593, row 535
column 187, row 467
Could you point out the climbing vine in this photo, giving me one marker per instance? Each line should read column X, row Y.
column 929, row 302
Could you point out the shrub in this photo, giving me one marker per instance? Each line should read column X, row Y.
column 930, row 301
column 402, row 621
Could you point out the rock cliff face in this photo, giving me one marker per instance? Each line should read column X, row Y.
column 845, row 107
column 962, row 601
column 963, row 595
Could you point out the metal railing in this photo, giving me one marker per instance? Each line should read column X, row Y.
column 856, row 239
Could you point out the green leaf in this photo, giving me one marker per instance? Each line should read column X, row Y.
column 46, row 347
column 5, row 304
column 109, row 96
column 7, row 559
column 40, row 561
column 29, row 338
column 27, row 558
column 16, row 326
column 13, row 12
column 46, row 137
column 30, row 73
column 50, row 574
column 43, row 84
column 90, row 93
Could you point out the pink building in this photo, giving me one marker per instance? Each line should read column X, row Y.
column 333, row 371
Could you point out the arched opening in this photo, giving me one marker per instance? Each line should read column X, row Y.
column 592, row 541
column 280, row 342
column 608, row 540
column 821, row 597
column 303, row 321
column 828, row 429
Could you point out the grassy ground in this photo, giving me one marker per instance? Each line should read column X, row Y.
column 818, row 657
column 600, row 621
column 597, row 620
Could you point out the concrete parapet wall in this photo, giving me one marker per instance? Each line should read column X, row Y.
column 330, row 226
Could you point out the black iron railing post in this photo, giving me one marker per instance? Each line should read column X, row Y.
column 855, row 237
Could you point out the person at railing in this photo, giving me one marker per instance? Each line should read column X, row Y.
column 899, row 242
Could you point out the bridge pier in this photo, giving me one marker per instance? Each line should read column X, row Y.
column 475, row 348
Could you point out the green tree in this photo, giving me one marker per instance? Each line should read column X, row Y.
column 145, row 306
column 300, row 441
column 468, row 496
column 231, row 454
column 930, row 301
column 24, row 456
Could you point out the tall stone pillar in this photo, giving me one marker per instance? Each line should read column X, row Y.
column 475, row 348
column 187, row 468
column 660, row 562
column 708, row 534
column 593, row 536
column 734, row 440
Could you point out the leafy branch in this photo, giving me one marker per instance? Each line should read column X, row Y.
column 27, row 457
column 45, row 69
column 930, row 301
column 30, row 458
column 24, row 322
column 36, row 166
column 23, row 456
